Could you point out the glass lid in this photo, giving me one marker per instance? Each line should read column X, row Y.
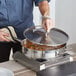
column 38, row 35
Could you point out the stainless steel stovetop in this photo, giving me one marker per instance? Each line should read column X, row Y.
column 40, row 64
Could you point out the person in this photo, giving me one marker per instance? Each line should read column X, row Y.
column 19, row 14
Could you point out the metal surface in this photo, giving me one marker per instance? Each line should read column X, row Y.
column 68, row 69
column 36, row 54
column 36, row 65
column 36, row 39
column 37, row 35
column 40, row 47
column 67, row 55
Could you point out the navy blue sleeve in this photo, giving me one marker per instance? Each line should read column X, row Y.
column 37, row 1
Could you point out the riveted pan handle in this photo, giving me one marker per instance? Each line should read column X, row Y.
column 21, row 41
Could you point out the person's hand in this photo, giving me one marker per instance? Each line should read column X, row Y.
column 47, row 24
column 3, row 36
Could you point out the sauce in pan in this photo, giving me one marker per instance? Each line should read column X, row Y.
column 34, row 46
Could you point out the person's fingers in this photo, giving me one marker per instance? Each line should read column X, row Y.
column 43, row 24
column 47, row 25
column 4, row 33
column 3, row 36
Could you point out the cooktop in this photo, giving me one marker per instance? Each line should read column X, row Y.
column 67, row 69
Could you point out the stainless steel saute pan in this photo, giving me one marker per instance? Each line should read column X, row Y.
column 36, row 39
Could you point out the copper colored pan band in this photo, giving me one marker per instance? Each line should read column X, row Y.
column 34, row 46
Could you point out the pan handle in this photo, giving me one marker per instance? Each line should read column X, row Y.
column 17, row 40
column 21, row 41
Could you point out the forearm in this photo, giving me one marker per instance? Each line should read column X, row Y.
column 44, row 8
column 45, row 11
